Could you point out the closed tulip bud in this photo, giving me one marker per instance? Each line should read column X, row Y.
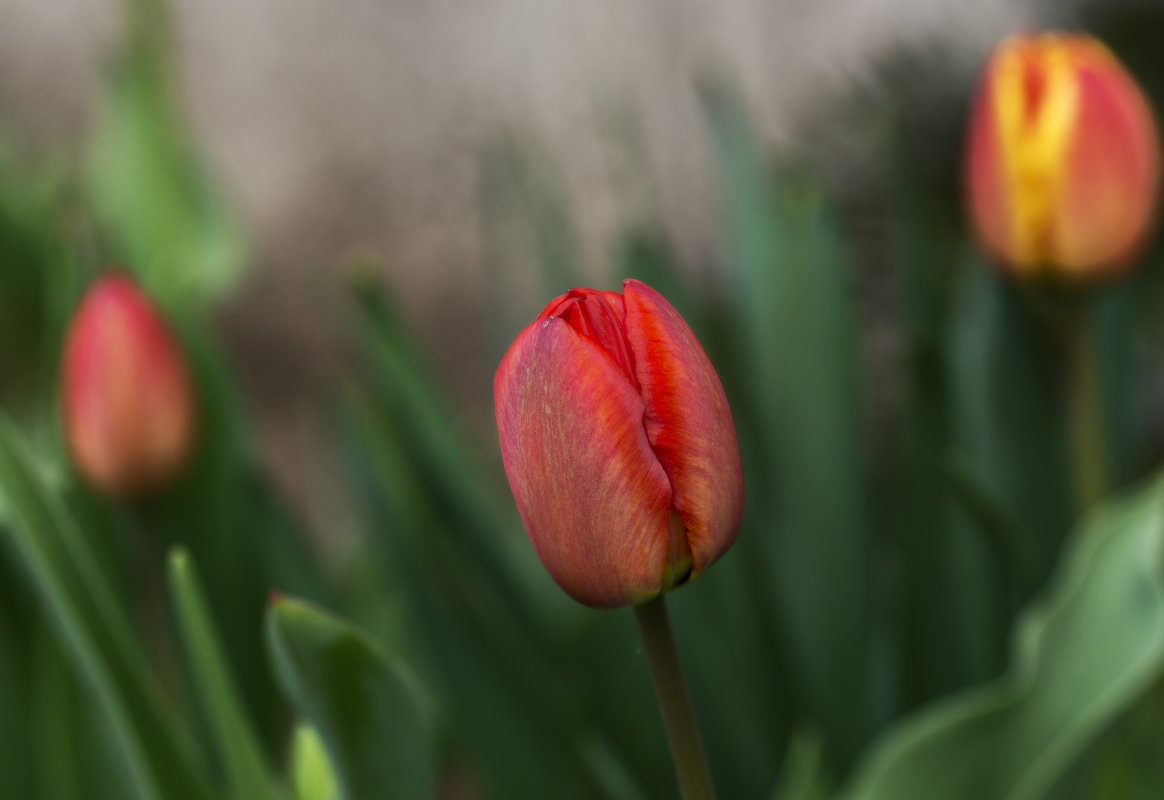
column 127, row 408
column 1062, row 161
column 618, row 444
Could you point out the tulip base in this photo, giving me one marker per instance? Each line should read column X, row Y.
column 674, row 702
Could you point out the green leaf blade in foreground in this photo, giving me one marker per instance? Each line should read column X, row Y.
column 364, row 707
column 94, row 631
column 1081, row 658
column 238, row 750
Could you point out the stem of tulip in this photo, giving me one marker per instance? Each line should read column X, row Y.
column 674, row 702
column 1086, row 417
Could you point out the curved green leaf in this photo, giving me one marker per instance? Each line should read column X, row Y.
column 238, row 750
column 365, row 708
column 1081, row 658
column 94, row 630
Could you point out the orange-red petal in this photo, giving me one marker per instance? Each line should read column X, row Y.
column 594, row 499
column 688, row 423
column 1112, row 171
column 127, row 403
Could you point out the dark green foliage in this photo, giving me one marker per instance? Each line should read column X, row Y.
column 918, row 604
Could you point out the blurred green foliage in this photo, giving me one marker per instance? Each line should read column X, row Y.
column 909, row 611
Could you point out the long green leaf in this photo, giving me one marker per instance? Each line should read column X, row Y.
column 799, row 341
column 1081, row 658
column 19, row 622
column 441, row 463
column 238, row 750
column 365, row 707
column 95, row 631
column 490, row 665
column 150, row 194
column 311, row 772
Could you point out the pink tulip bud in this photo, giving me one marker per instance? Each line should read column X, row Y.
column 619, row 445
column 1062, row 162
column 128, row 412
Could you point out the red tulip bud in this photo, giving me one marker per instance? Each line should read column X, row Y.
column 618, row 444
column 1062, row 161
column 127, row 407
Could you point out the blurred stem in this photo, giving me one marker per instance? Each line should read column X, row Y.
column 1085, row 415
column 674, row 702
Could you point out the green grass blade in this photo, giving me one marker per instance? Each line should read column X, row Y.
column 246, row 770
column 95, row 631
column 414, row 414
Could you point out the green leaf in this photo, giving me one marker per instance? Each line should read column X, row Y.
column 408, row 405
column 1081, row 658
column 21, row 628
column 73, row 756
column 798, row 338
column 951, row 635
column 150, row 194
column 246, row 770
column 225, row 512
column 311, row 771
column 366, row 708
column 804, row 776
column 476, row 641
column 1007, row 396
column 31, row 202
column 58, row 718
column 94, row 629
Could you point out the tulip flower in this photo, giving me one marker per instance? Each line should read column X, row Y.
column 127, row 407
column 618, row 444
column 1062, row 160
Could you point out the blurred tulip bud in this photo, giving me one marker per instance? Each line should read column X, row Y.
column 127, row 407
column 1062, row 162
column 619, row 445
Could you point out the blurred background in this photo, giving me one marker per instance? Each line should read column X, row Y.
column 347, row 212
column 375, row 128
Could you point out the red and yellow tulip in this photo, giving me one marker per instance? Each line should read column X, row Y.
column 1062, row 159
column 618, row 444
column 127, row 408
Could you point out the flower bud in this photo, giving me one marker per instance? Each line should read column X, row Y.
column 618, row 444
column 1062, row 161
column 126, row 401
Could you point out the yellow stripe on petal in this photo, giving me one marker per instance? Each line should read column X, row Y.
column 1036, row 102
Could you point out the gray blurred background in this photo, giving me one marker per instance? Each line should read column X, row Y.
column 356, row 127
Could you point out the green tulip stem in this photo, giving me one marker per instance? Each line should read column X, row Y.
column 674, row 702
column 1086, row 418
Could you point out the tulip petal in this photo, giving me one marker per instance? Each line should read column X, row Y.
column 989, row 198
column 1112, row 168
column 126, row 405
column 1062, row 156
column 688, row 423
column 571, row 431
